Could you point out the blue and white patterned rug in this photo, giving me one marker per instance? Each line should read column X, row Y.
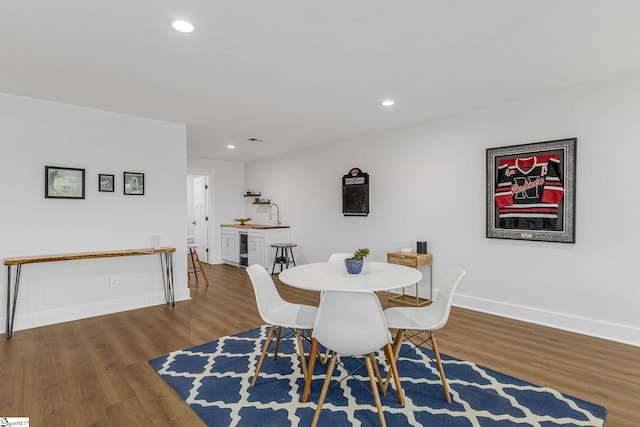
column 214, row 379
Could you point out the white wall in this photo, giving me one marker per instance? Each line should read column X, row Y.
column 427, row 182
column 190, row 213
column 225, row 201
column 35, row 133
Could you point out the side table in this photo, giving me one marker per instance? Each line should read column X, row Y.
column 415, row 260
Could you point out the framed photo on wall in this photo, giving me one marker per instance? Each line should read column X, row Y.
column 63, row 183
column 134, row 183
column 106, row 182
column 531, row 191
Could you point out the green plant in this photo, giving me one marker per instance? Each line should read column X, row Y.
column 361, row 253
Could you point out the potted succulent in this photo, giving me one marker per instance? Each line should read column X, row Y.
column 354, row 264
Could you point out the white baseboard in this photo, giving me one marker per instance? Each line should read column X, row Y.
column 77, row 312
column 581, row 325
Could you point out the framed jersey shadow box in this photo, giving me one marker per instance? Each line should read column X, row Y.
column 531, row 191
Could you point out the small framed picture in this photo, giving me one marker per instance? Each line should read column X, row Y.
column 134, row 183
column 63, row 183
column 105, row 182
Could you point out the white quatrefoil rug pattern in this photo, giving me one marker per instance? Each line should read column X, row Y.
column 214, row 379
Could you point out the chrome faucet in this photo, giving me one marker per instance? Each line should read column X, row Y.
column 277, row 213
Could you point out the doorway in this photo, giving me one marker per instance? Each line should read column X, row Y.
column 198, row 213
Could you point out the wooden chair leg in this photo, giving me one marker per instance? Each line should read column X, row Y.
column 307, row 379
column 193, row 263
column 445, row 387
column 265, row 347
column 393, row 370
column 374, row 388
column 397, row 344
column 275, row 352
column 193, row 253
column 202, row 270
column 322, row 360
column 303, row 361
column 325, row 387
column 374, row 364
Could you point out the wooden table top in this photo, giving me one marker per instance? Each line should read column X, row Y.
column 86, row 255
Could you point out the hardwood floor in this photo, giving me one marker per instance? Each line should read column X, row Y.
column 94, row 372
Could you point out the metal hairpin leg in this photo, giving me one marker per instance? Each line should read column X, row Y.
column 166, row 264
column 11, row 306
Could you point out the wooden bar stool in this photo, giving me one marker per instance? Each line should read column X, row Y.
column 283, row 252
column 193, row 254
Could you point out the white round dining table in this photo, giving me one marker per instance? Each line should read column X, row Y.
column 326, row 276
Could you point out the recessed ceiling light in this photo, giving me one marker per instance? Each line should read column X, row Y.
column 182, row 26
column 387, row 103
column 231, row 147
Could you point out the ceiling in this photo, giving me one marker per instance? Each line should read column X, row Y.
column 297, row 73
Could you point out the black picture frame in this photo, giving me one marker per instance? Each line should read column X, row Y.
column 63, row 182
column 355, row 193
column 106, row 183
column 519, row 205
column 133, row 183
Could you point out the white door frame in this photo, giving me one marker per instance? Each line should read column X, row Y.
column 201, row 197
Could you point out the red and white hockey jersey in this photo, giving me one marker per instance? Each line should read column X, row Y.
column 528, row 192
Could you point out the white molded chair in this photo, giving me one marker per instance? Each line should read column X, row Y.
column 278, row 313
column 425, row 319
column 352, row 324
column 339, row 257
column 336, row 258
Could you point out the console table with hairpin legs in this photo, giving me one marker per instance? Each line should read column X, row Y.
column 166, row 265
